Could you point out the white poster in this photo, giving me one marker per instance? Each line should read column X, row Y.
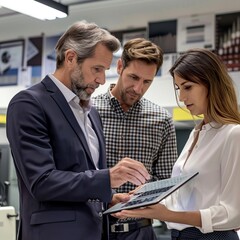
column 11, row 61
column 196, row 32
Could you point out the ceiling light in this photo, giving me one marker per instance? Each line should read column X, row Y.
column 41, row 9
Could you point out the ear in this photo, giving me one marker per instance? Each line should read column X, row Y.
column 119, row 66
column 70, row 56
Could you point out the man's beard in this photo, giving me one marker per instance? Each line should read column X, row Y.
column 78, row 86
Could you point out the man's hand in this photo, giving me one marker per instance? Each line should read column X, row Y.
column 119, row 197
column 128, row 170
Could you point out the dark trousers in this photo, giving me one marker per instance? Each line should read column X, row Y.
column 145, row 233
column 195, row 234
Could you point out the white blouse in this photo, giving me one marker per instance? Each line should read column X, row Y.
column 215, row 191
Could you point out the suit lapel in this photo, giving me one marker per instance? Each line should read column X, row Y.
column 99, row 133
column 67, row 112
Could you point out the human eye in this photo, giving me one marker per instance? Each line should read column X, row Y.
column 147, row 82
column 97, row 69
column 187, row 87
column 133, row 77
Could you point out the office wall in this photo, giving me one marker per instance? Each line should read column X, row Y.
column 160, row 92
column 116, row 15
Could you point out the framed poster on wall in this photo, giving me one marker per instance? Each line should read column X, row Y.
column 34, row 58
column 163, row 34
column 49, row 54
column 131, row 35
column 11, row 61
column 196, row 32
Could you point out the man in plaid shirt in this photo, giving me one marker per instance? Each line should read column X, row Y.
column 135, row 127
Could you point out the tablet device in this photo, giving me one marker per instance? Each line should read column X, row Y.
column 152, row 193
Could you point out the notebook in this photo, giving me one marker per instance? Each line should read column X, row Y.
column 152, row 193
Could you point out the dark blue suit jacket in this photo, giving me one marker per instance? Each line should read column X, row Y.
column 60, row 189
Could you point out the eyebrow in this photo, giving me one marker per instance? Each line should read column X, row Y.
column 183, row 83
column 137, row 76
column 100, row 66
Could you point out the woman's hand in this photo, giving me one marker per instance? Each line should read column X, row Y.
column 156, row 211
column 160, row 212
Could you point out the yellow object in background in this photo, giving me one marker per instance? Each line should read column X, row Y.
column 182, row 114
column 3, row 118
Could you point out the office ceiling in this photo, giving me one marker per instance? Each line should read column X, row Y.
column 111, row 14
column 5, row 12
column 76, row 2
column 134, row 5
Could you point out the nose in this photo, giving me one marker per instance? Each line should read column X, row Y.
column 138, row 87
column 181, row 96
column 101, row 79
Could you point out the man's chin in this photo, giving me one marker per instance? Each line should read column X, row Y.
column 89, row 91
column 132, row 101
column 84, row 96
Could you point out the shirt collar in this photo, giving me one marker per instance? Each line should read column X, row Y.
column 68, row 94
column 207, row 126
column 109, row 92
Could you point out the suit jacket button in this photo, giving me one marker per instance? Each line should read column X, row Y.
column 100, row 214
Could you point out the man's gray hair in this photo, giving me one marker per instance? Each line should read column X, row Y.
column 82, row 37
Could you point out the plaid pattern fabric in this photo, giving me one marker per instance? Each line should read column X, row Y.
column 145, row 133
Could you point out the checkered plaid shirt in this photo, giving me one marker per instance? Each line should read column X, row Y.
column 145, row 133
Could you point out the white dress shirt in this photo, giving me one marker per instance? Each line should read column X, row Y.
column 81, row 115
column 215, row 190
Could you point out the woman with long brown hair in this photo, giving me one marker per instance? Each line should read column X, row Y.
column 208, row 207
